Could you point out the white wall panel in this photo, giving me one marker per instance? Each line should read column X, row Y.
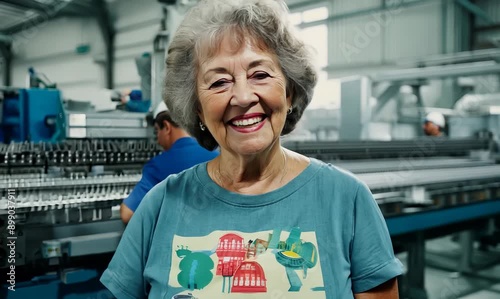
column 413, row 31
column 140, row 36
column 126, row 76
column 130, row 52
column 51, row 49
column 384, row 37
column 66, row 71
column 348, row 6
column 356, row 40
column 491, row 8
column 488, row 38
column 57, row 36
column 2, row 69
column 133, row 13
column 136, row 24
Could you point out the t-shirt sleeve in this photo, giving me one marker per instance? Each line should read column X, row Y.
column 372, row 255
column 147, row 182
column 124, row 275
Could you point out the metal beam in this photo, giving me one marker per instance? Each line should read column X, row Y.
column 26, row 5
column 368, row 11
column 493, row 27
column 44, row 13
column 5, row 39
column 475, row 10
column 385, row 96
column 305, row 5
column 79, row 8
column 6, row 52
column 434, row 72
column 71, row 8
column 108, row 33
column 30, row 23
column 72, row 11
column 459, row 57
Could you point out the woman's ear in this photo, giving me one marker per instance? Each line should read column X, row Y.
column 200, row 116
column 289, row 94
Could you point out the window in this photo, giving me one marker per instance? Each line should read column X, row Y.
column 316, row 14
column 316, row 36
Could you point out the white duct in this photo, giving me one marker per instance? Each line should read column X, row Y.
column 474, row 103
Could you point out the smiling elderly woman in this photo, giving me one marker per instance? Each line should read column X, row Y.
column 258, row 220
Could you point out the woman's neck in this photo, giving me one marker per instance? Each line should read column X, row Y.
column 256, row 174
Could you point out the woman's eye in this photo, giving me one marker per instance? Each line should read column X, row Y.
column 218, row 83
column 261, row 75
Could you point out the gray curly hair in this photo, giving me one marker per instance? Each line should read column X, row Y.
column 265, row 23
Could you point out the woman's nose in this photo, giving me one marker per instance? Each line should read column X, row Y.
column 243, row 94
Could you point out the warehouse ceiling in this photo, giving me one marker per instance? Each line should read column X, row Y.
column 18, row 15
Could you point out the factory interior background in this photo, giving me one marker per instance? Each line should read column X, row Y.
column 72, row 150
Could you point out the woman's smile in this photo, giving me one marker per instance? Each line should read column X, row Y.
column 248, row 123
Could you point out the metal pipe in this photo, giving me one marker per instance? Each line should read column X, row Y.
column 433, row 72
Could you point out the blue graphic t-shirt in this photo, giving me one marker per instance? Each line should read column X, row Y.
column 320, row 236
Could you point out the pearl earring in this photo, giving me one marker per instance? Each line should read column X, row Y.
column 202, row 126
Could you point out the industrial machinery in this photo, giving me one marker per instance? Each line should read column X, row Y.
column 31, row 114
column 64, row 169
column 64, row 198
column 35, row 114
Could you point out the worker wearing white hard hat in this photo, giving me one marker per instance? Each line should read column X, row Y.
column 434, row 124
column 159, row 109
column 181, row 152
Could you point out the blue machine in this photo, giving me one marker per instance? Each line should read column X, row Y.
column 32, row 114
column 81, row 284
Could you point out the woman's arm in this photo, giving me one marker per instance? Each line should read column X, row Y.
column 387, row 290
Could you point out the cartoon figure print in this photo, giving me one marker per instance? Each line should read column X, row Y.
column 238, row 263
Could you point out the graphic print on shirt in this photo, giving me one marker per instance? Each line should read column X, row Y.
column 280, row 264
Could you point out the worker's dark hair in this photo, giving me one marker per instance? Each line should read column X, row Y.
column 165, row 115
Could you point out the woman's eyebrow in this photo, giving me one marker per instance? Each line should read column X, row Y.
column 217, row 70
column 266, row 62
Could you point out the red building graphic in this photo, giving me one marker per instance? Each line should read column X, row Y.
column 231, row 252
column 249, row 278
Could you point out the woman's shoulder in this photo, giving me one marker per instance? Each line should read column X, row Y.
column 189, row 173
column 189, row 177
column 169, row 189
column 329, row 171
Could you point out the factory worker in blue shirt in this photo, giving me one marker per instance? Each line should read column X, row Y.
column 181, row 152
column 134, row 102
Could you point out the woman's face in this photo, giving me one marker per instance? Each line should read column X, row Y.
column 243, row 97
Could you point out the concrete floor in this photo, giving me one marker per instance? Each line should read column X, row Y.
column 441, row 282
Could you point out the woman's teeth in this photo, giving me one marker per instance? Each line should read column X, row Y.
column 247, row 122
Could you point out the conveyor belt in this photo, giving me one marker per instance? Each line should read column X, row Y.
column 382, row 180
column 69, row 201
column 77, row 152
column 42, row 181
column 431, row 219
column 384, row 165
column 416, row 148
